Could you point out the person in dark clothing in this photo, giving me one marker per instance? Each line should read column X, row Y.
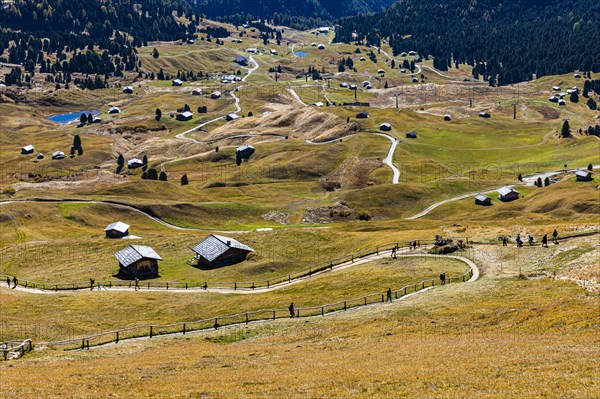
column 15, row 281
column 92, row 284
column 415, row 245
column 443, row 278
column 393, row 255
column 504, row 241
column 137, row 284
column 555, row 236
column 389, row 295
column 519, row 241
column 8, row 281
column 545, row 241
column 292, row 310
column 530, row 239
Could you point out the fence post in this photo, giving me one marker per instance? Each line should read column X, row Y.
column 377, row 249
column 87, row 342
column 423, row 285
column 30, row 346
column 234, row 286
column 5, row 353
column 55, row 287
column 82, row 343
column 167, row 285
column 186, row 286
column 246, row 318
column 148, row 285
column 345, row 308
column 116, row 337
column 216, row 323
column 322, row 310
column 273, row 315
column 404, row 290
column 365, row 301
column 382, row 298
column 289, row 278
column 150, row 331
column 298, row 313
column 415, row 288
column 183, row 328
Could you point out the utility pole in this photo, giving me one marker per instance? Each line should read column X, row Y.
column 396, row 101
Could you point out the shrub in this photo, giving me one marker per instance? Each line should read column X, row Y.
column 364, row 215
column 184, row 180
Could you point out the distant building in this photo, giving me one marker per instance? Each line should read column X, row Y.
column 176, row 82
column 353, row 87
column 243, row 61
column 412, row 53
column 28, row 149
column 318, row 104
column 134, row 163
column 321, row 47
column 191, row 41
column 252, row 50
column 273, row 52
column 117, row 230
column 583, row 175
column 411, row 135
column 556, row 88
column 362, row 115
column 128, row 89
column 114, row 110
column 381, row 70
column 362, row 58
column 138, row 261
column 323, row 30
column 245, row 150
column 366, row 83
column 576, row 75
column 231, row 117
column 508, row 194
column 58, row 155
column 184, row 116
column 344, row 85
column 386, row 127
column 313, row 44
column 403, row 54
column 447, row 117
column 215, row 95
column 483, row 200
column 553, row 99
column 415, row 80
column 562, row 102
column 484, row 114
column 216, row 251
column 197, row 92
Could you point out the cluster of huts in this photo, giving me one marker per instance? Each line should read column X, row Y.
column 142, row 261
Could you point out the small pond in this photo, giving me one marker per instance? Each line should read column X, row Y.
column 301, row 54
column 63, row 119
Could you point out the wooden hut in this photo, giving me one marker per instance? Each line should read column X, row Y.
column 138, row 261
column 216, row 251
column 117, row 230
column 385, row 127
column 128, row 89
column 28, row 149
column 483, row 200
column 508, row 194
column 362, row 115
column 184, row 116
column 411, row 135
column 583, row 175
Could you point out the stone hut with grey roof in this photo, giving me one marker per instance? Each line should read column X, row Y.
column 217, row 251
column 117, row 230
column 138, row 261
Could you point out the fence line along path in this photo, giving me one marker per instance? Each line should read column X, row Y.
column 263, row 315
column 244, row 287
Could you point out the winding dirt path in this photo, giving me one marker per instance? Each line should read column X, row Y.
column 528, row 180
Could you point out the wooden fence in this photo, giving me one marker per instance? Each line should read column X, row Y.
column 19, row 347
column 239, row 319
column 243, row 285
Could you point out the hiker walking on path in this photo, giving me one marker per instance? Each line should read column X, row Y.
column 504, row 241
column 545, row 241
column 555, row 236
column 15, row 282
column 137, row 284
column 530, row 239
column 443, row 278
column 292, row 310
column 393, row 255
column 389, row 295
column 8, row 281
column 92, row 284
column 519, row 241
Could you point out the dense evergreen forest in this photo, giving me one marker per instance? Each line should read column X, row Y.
column 87, row 36
column 299, row 14
column 506, row 41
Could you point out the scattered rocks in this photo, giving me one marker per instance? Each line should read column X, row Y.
column 277, row 217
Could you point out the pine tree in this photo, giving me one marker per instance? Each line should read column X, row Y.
column 162, row 176
column 152, row 174
column 184, row 180
column 145, row 159
column 566, row 129
column 238, row 158
column 121, row 160
column 158, row 114
column 76, row 142
column 590, row 167
column 155, row 53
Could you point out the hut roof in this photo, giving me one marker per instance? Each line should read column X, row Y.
column 132, row 253
column 215, row 245
column 187, row 114
column 118, row 226
column 28, row 148
column 482, row 198
column 583, row 173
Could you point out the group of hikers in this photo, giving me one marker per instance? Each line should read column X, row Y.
column 531, row 240
column 14, row 281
